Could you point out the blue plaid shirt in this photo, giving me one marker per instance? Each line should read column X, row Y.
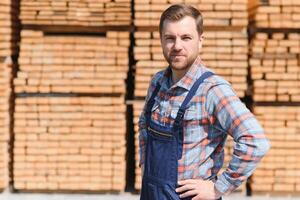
column 213, row 113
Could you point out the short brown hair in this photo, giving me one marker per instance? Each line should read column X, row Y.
column 178, row 11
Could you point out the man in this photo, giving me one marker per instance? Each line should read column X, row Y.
column 188, row 114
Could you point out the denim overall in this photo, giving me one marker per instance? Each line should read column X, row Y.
column 163, row 150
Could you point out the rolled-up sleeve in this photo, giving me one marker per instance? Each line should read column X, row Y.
column 233, row 117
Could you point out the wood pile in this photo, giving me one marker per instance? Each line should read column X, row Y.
column 72, row 64
column 8, row 27
column 279, row 171
column 215, row 12
column 76, row 12
column 70, row 143
column 278, row 14
column 275, row 67
column 70, row 112
column 8, row 50
column 275, row 72
column 5, row 120
column 225, row 52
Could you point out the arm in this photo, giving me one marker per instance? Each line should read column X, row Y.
column 142, row 137
column 251, row 145
column 142, row 123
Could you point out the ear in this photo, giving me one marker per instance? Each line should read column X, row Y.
column 201, row 38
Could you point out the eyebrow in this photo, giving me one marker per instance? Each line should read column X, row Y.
column 168, row 35
column 184, row 35
column 187, row 35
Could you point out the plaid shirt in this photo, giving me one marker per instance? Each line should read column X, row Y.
column 214, row 112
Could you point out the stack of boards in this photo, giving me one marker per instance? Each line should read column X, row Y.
column 215, row 12
column 8, row 43
column 8, row 27
column 279, row 171
column 275, row 67
column 275, row 71
column 278, row 14
column 72, row 64
column 70, row 143
column 70, row 111
column 76, row 12
column 5, row 119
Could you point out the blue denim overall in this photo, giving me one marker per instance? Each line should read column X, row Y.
column 163, row 150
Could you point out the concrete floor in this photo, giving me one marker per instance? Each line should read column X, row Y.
column 6, row 195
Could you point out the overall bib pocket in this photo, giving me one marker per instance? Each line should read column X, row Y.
column 160, row 159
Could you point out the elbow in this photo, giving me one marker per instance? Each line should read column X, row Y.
column 263, row 147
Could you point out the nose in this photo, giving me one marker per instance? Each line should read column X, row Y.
column 177, row 45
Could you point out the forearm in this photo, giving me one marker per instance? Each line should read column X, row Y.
column 142, row 137
column 142, row 145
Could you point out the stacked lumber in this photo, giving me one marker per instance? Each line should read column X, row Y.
column 215, row 12
column 8, row 28
column 137, row 109
column 278, row 14
column 149, row 60
column 76, row 12
column 5, row 120
column 225, row 52
column 70, row 143
column 72, row 64
column 280, row 169
column 275, row 67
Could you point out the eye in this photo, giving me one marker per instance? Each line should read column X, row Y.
column 169, row 38
column 186, row 38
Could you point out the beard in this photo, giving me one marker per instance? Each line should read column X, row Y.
column 180, row 62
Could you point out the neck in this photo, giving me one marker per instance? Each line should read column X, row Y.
column 177, row 75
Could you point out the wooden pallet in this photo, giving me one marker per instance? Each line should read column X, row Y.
column 278, row 14
column 275, row 67
column 76, row 12
column 279, row 170
column 70, row 143
column 72, row 64
column 215, row 13
column 225, row 52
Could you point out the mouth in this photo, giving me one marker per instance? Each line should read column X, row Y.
column 177, row 55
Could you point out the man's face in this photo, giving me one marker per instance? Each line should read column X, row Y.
column 180, row 42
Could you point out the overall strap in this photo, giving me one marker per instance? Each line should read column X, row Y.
column 190, row 95
column 151, row 103
column 180, row 114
